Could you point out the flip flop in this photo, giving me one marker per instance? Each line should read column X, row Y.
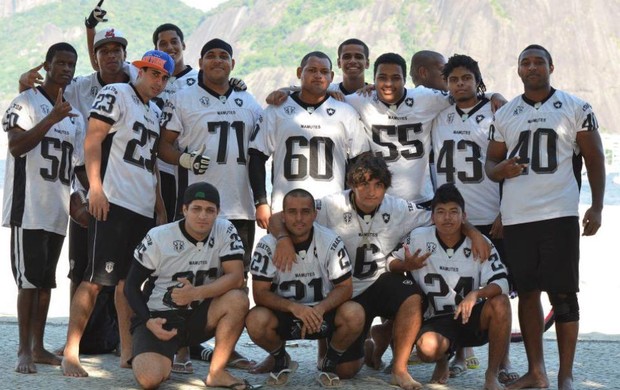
column 281, row 378
column 241, row 363
column 328, row 379
column 245, row 385
column 456, row 370
column 505, row 377
column 183, row 368
column 472, row 362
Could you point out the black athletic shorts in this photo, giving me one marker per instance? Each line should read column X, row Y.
column 544, row 255
column 191, row 330
column 111, row 244
column 459, row 334
column 246, row 230
column 382, row 299
column 34, row 257
column 289, row 326
column 78, row 251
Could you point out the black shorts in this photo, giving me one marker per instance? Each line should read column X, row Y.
column 78, row 251
column 289, row 326
column 246, row 230
column 459, row 334
column 498, row 243
column 168, row 184
column 544, row 255
column 111, row 244
column 34, row 257
column 382, row 299
column 191, row 330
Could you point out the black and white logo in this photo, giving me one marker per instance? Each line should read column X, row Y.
column 190, row 81
column 205, row 101
column 223, row 99
column 289, row 110
column 517, row 110
column 431, row 247
column 467, row 252
column 331, row 111
column 450, row 118
column 409, row 102
column 45, row 108
column 239, row 102
column 94, row 91
column 479, row 118
column 347, row 217
column 557, row 104
column 178, row 245
column 386, row 217
column 211, row 242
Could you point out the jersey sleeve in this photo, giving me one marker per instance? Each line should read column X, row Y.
column 357, row 135
column 80, row 135
column 232, row 246
column 585, row 118
column 108, row 105
column 414, row 216
column 263, row 138
column 494, row 271
column 338, row 262
column 170, row 119
column 261, row 267
column 19, row 114
column 147, row 253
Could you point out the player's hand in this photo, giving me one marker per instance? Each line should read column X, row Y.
column 366, row 90
column 336, row 95
column 414, row 261
column 98, row 204
column 497, row 228
column 480, row 246
column 285, row 255
column 237, row 84
column 195, row 161
column 591, row 222
column 184, row 295
column 311, row 318
column 497, row 101
column 61, row 110
column 465, row 307
column 276, row 98
column 509, row 168
column 31, row 78
column 156, row 326
column 263, row 213
column 96, row 15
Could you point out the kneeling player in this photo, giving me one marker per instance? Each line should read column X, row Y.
column 467, row 301
column 310, row 301
column 194, row 269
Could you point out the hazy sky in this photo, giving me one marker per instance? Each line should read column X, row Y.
column 204, row 5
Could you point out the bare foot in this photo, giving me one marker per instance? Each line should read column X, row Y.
column 265, row 366
column 381, row 335
column 565, row 383
column 224, row 379
column 441, row 373
column 60, row 351
column 72, row 367
column 124, row 361
column 46, row 357
column 25, row 364
column 530, row 380
column 491, row 382
column 369, row 355
column 405, row 381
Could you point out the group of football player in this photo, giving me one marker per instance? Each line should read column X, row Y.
column 382, row 198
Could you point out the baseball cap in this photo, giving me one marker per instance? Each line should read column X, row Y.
column 157, row 60
column 201, row 191
column 109, row 35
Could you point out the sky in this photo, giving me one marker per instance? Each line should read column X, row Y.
column 203, row 5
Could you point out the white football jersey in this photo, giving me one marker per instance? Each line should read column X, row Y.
column 310, row 146
column 224, row 125
column 314, row 274
column 448, row 277
column 369, row 240
column 37, row 184
column 460, row 143
column 81, row 92
column 186, row 78
column 544, row 136
column 401, row 133
column 171, row 253
column 129, row 150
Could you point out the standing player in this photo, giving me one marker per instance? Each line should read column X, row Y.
column 123, row 130
column 456, row 286
column 192, row 291
column 426, row 70
column 353, row 61
column 537, row 144
column 45, row 141
column 308, row 302
column 311, row 136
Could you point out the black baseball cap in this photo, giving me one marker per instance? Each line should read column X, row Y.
column 201, row 191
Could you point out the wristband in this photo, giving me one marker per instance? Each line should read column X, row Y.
column 281, row 236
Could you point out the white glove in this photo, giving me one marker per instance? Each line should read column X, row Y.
column 96, row 15
column 195, row 161
column 237, row 84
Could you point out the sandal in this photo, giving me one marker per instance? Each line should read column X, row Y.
column 457, row 370
column 183, row 368
column 281, row 378
column 328, row 379
column 241, row 363
column 472, row 362
column 505, row 377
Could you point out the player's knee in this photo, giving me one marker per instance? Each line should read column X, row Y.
column 237, row 301
column 258, row 321
column 351, row 315
column 348, row 370
column 500, row 304
column 565, row 307
column 150, row 371
column 430, row 347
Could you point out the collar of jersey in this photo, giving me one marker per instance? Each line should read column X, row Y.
column 295, row 97
column 303, row 246
column 360, row 212
column 444, row 246
column 471, row 112
column 52, row 102
column 183, row 72
column 138, row 93
column 103, row 83
column 209, row 90
column 532, row 103
column 344, row 90
column 397, row 104
column 190, row 238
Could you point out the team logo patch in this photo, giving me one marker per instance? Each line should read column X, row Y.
column 45, row 108
column 450, row 118
column 211, row 242
column 223, row 99
column 289, row 110
column 205, row 101
column 386, row 217
column 109, row 266
column 331, row 111
column 347, row 217
column 239, row 102
column 318, row 204
column 93, row 91
column 408, row 282
column 517, row 110
column 409, row 102
column 586, row 107
column 149, row 240
column 190, row 81
column 431, row 247
column 411, row 206
column 178, row 245
column 72, row 120
column 479, row 118
column 136, row 99
column 557, row 104
column 467, row 252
